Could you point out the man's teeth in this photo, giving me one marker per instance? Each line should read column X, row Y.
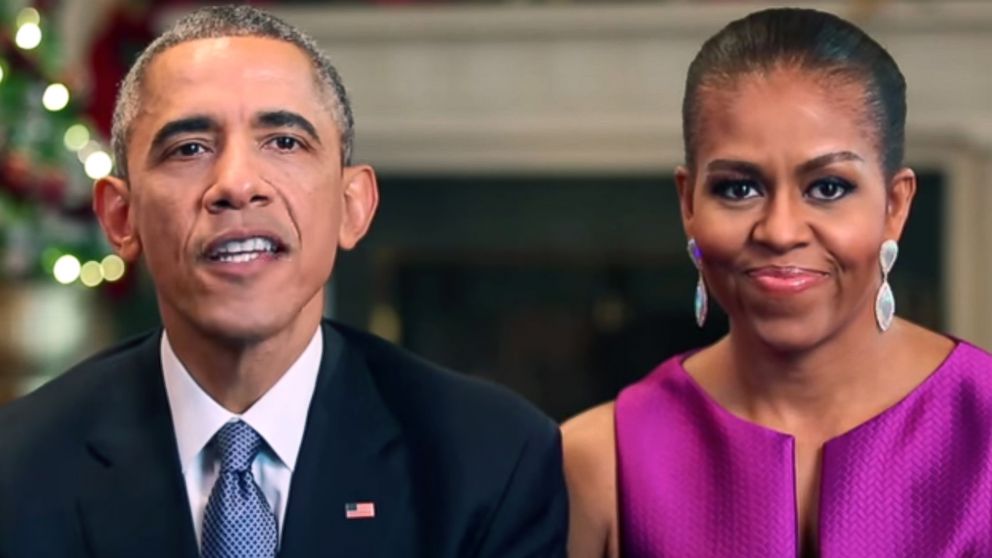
column 246, row 250
column 239, row 258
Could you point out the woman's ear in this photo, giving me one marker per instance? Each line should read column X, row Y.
column 901, row 190
column 684, row 186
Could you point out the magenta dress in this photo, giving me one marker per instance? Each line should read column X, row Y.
column 914, row 481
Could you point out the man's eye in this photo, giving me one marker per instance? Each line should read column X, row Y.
column 286, row 143
column 829, row 189
column 189, row 149
column 737, row 189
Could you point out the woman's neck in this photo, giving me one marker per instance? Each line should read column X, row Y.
column 822, row 391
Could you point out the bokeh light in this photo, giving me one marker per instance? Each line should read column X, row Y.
column 76, row 137
column 28, row 15
column 66, row 269
column 98, row 165
column 56, row 97
column 28, row 36
column 113, row 267
column 90, row 274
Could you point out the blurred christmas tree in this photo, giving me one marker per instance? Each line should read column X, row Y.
column 47, row 160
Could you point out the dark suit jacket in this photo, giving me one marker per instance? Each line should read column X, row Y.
column 455, row 467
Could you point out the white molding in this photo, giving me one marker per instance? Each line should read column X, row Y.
column 967, row 257
column 473, row 23
column 584, row 86
column 515, row 88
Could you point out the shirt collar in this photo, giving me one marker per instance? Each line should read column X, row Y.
column 279, row 416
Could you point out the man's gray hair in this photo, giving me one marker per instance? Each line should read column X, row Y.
column 228, row 21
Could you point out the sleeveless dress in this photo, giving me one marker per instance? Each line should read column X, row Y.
column 914, row 481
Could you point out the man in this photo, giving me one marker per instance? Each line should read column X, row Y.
column 249, row 426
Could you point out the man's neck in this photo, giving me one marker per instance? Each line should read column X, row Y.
column 238, row 373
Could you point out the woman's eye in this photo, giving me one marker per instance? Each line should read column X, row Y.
column 737, row 189
column 829, row 189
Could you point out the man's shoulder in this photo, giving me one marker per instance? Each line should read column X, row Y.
column 65, row 402
column 445, row 404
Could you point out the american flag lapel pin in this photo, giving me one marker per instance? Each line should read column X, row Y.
column 359, row 510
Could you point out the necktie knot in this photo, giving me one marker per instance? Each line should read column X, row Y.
column 238, row 444
column 238, row 521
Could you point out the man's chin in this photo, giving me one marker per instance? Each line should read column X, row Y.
column 241, row 329
column 242, row 321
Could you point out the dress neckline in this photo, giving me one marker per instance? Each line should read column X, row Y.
column 732, row 419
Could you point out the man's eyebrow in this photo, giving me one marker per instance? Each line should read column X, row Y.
column 828, row 159
column 183, row 126
column 286, row 119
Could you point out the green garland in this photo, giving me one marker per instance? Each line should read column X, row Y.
column 44, row 191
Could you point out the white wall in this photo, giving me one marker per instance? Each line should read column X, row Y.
column 511, row 88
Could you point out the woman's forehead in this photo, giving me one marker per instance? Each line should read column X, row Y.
column 784, row 110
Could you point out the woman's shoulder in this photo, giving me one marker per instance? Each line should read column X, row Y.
column 938, row 352
column 589, row 444
column 967, row 353
column 593, row 423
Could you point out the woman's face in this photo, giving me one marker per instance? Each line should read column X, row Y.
column 789, row 204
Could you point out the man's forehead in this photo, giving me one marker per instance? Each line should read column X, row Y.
column 225, row 57
column 231, row 77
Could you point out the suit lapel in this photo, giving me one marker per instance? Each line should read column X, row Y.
column 133, row 500
column 351, row 453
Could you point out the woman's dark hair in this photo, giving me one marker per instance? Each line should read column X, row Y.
column 807, row 40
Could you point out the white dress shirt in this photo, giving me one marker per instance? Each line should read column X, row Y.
column 279, row 417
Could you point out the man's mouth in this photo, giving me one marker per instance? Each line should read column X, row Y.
column 243, row 250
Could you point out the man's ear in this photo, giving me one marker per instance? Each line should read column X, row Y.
column 899, row 200
column 361, row 198
column 112, row 205
column 683, row 184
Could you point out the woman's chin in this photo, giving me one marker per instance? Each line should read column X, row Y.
column 789, row 336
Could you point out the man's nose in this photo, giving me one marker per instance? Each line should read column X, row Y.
column 236, row 183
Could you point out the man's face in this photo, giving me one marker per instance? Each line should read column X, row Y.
column 236, row 194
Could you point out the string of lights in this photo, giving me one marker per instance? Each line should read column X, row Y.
column 49, row 154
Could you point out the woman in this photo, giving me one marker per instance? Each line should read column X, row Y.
column 820, row 425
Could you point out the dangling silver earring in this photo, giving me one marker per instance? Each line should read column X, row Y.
column 701, row 302
column 885, row 302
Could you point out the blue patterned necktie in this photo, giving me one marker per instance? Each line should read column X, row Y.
column 238, row 522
